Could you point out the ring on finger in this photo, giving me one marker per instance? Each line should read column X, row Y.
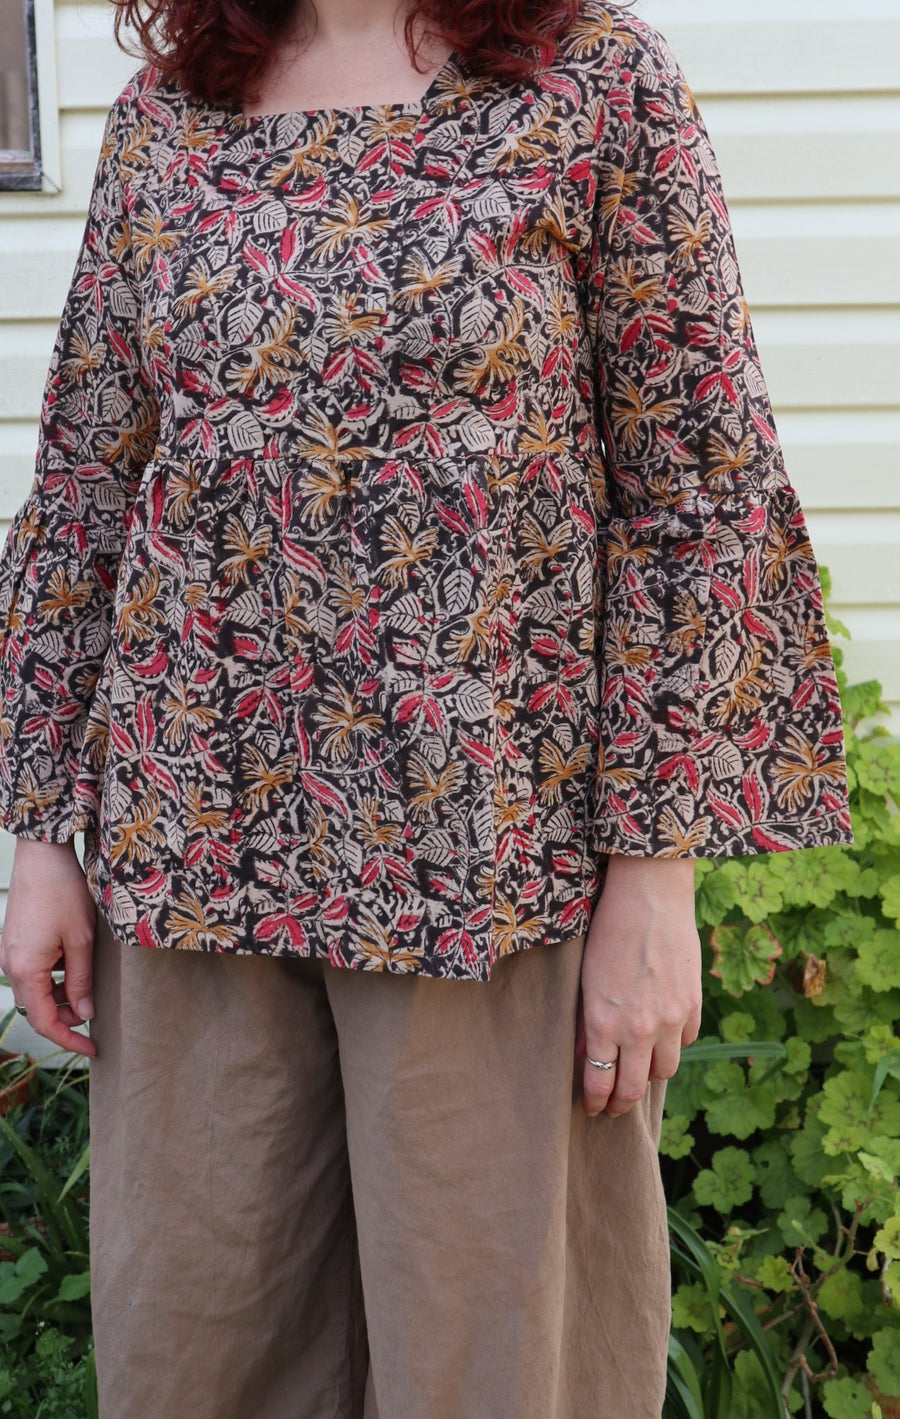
column 602, row 1063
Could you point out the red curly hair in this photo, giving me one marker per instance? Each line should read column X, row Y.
column 218, row 50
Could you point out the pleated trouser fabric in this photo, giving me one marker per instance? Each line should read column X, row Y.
column 318, row 1193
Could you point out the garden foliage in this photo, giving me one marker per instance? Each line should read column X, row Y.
column 46, row 1363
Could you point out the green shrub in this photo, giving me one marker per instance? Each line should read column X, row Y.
column 781, row 1151
column 46, row 1360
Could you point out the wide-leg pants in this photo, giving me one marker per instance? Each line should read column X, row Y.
column 319, row 1193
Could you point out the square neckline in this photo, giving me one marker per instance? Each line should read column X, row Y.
column 249, row 122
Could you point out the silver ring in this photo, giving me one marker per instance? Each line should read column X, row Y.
column 601, row 1063
column 21, row 1009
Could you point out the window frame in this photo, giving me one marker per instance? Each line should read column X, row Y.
column 46, row 172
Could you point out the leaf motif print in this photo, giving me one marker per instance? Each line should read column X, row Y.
column 409, row 529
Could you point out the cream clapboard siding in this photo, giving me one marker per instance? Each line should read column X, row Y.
column 802, row 98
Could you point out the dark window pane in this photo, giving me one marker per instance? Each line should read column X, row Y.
column 19, row 165
column 15, row 122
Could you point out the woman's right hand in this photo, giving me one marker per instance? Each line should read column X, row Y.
column 49, row 926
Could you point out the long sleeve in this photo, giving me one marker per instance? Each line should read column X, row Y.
column 98, row 427
column 720, row 718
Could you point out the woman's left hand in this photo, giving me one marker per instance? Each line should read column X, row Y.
column 641, row 991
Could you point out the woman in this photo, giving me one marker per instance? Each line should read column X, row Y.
column 410, row 557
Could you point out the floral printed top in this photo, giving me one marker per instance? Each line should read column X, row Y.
column 410, row 529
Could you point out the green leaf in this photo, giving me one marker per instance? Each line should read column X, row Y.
column 685, row 1379
column 877, row 766
column 863, row 701
column 690, row 1308
column 888, row 1064
column 814, row 876
column 685, row 1092
column 759, row 889
column 845, row 1108
column 675, row 1140
column 721, row 1050
column 840, row 1297
column 728, row 1184
column 715, row 897
column 689, row 1248
column 78, row 1171
column 846, row 1399
column 799, row 1056
column 887, row 1238
column 752, row 1399
column 744, row 957
column 741, row 1113
column 774, row 1273
column 737, row 1026
column 19, row 1276
column 800, row 1223
column 878, row 962
column 890, row 898
column 879, row 1167
column 776, row 1178
column 75, row 1286
column 884, row 1362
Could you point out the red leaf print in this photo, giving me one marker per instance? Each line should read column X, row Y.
column 477, row 503
column 768, row 433
column 159, row 775
column 756, row 627
column 145, row 934
column 479, row 753
column 371, row 872
column 295, row 291
column 522, row 283
column 288, row 244
column 723, row 591
column 145, row 721
column 768, row 841
column 728, row 812
column 257, row 259
column 323, row 792
column 630, row 334
column 753, row 794
column 450, row 518
column 504, row 408
column 717, row 381
column 574, row 909
column 120, row 739
column 155, row 667
column 120, row 346
column 408, row 708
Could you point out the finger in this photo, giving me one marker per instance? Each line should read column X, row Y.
column 36, row 994
column 598, row 1084
column 64, row 1011
column 665, row 1062
column 79, row 981
column 632, row 1077
column 692, row 1027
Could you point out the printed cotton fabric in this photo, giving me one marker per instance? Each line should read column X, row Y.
column 410, row 529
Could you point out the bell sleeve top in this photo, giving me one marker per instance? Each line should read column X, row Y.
column 410, row 530
column 720, row 731
column 98, row 427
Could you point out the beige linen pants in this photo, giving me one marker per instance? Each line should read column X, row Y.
column 323, row 1194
